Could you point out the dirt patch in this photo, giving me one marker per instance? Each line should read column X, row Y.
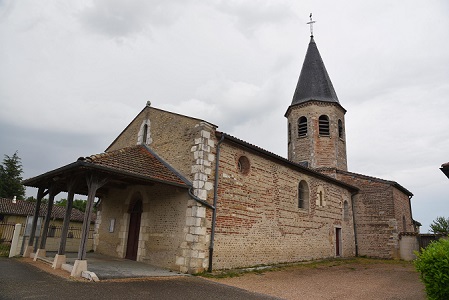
column 351, row 279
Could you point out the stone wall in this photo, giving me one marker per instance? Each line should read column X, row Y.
column 171, row 135
column 163, row 224
column 258, row 219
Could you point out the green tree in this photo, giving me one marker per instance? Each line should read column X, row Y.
column 11, row 177
column 440, row 226
column 77, row 203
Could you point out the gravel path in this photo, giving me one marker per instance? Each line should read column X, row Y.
column 355, row 279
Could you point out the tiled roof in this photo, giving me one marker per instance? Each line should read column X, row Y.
column 390, row 182
column 26, row 208
column 138, row 160
column 314, row 82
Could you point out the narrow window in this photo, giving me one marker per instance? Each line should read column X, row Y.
column 404, row 224
column 302, row 127
column 289, row 132
column 346, row 210
column 303, row 195
column 323, row 124
column 340, row 129
column 320, row 197
column 145, row 130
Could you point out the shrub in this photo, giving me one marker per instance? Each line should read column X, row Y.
column 433, row 264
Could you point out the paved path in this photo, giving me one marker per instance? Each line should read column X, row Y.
column 19, row 280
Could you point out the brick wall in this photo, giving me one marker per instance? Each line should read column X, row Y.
column 258, row 219
column 379, row 211
column 319, row 151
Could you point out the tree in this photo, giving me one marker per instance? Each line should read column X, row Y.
column 77, row 203
column 11, row 177
column 440, row 226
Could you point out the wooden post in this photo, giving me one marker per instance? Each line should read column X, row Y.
column 93, row 184
column 68, row 213
column 51, row 200
column 40, row 194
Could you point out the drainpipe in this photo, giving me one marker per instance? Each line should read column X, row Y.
column 214, row 212
column 354, row 224
column 411, row 215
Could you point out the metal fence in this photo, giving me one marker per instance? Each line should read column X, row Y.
column 7, row 231
column 73, row 232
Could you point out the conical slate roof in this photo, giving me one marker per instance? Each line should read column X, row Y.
column 314, row 82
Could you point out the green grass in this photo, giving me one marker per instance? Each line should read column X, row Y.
column 4, row 250
column 316, row 264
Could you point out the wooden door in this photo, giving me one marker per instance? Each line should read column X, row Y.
column 338, row 241
column 135, row 211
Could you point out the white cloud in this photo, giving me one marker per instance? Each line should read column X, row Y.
column 74, row 74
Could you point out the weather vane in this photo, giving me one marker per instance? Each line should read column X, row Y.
column 311, row 25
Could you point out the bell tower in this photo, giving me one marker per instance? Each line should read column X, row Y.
column 316, row 119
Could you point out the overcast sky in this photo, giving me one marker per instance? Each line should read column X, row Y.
column 73, row 74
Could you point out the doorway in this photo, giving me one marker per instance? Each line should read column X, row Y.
column 337, row 241
column 135, row 212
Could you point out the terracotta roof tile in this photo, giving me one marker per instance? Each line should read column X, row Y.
column 141, row 161
column 26, row 208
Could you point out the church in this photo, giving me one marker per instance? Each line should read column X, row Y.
column 176, row 192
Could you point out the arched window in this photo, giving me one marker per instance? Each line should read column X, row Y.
column 323, row 124
column 345, row 211
column 289, row 132
column 302, row 127
column 340, row 129
column 303, row 195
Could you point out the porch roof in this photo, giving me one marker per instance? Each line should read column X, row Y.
column 137, row 164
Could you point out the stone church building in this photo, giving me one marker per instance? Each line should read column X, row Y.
column 176, row 192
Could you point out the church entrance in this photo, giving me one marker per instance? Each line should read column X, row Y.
column 135, row 211
column 337, row 241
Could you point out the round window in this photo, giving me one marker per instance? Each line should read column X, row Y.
column 243, row 165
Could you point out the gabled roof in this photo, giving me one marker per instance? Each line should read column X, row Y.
column 132, row 164
column 26, row 208
column 139, row 160
column 314, row 82
column 148, row 106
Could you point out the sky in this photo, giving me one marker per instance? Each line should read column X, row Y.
column 73, row 74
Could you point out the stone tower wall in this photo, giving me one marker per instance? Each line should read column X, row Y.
column 318, row 151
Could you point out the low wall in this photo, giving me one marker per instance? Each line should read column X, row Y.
column 407, row 245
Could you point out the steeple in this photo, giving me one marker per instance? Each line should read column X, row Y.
column 314, row 83
column 316, row 120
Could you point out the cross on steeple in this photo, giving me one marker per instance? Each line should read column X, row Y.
column 311, row 25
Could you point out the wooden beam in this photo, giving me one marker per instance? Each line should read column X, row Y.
column 71, row 186
column 94, row 182
column 51, row 200
column 40, row 194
